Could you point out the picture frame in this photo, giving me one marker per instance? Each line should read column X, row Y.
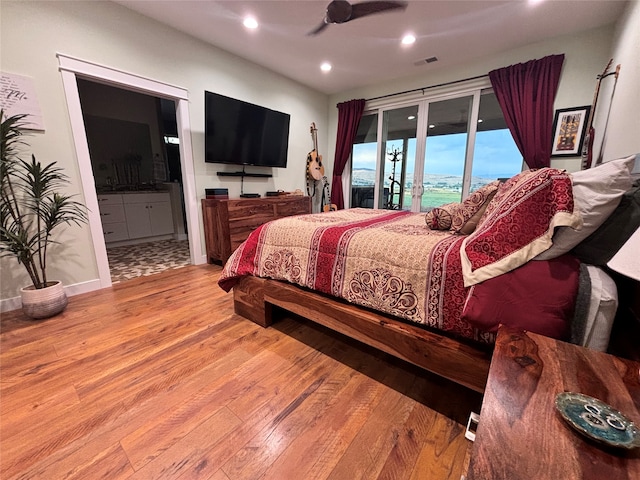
column 569, row 129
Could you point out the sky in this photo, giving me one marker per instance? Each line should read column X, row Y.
column 495, row 155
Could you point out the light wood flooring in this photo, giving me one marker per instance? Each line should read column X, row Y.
column 157, row 378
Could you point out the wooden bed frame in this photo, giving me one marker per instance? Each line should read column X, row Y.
column 463, row 363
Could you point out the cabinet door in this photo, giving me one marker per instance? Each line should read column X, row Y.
column 114, row 232
column 138, row 222
column 160, row 218
column 112, row 214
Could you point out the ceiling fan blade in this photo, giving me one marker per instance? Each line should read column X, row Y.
column 369, row 8
column 318, row 29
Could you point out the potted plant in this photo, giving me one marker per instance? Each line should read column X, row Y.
column 31, row 208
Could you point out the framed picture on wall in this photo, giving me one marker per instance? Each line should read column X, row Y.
column 569, row 128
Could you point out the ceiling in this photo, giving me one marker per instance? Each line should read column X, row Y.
column 367, row 51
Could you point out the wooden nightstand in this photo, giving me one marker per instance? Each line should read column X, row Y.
column 521, row 436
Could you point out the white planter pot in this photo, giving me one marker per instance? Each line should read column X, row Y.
column 43, row 302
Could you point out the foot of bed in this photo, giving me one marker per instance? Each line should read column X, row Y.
column 254, row 299
column 248, row 301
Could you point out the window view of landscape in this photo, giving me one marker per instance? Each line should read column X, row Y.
column 495, row 156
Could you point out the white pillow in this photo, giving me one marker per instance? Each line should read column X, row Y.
column 603, row 304
column 596, row 194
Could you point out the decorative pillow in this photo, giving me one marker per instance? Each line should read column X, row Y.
column 472, row 208
column 599, row 247
column 518, row 223
column 538, row 297
column 440, row 218
column 597, row 192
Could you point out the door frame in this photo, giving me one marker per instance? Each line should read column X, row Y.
column 72, row 68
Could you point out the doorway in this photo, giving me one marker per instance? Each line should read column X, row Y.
column 73, row 69
column 128, row 134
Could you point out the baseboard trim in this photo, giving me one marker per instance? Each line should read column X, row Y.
column 14, row 303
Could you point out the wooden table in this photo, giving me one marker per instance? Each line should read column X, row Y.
column 521, row 435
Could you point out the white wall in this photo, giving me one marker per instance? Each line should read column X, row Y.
column 586, row 54
column 623, row 129
column 31, row 33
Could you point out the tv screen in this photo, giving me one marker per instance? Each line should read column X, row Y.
column 242, row 133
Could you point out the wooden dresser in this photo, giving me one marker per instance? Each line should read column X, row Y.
column 521, row 435
column 228, row 223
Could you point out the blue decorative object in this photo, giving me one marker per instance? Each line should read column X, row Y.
column 597, row 420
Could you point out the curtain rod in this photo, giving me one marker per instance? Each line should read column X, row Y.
column 426, row 88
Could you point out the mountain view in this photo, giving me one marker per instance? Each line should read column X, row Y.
column 438, row 188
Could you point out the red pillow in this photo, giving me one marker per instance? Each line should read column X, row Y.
column 518, row 223
column 538, row 297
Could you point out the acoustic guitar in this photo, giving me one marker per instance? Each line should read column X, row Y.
column 587, row 146
column 315, row 169
column 327, row 206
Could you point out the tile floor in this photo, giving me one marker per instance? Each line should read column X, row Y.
column 144, row 259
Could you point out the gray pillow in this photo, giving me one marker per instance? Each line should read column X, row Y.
column 599, row 247
column 596, row 193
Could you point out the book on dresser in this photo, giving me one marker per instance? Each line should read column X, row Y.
column 228, row 222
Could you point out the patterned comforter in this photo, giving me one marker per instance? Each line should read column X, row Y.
column 385, row 260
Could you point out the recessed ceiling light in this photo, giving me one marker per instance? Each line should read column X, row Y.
column 479, row 120
column 411, row 117
column 325, row 67
column 250, row 23
column 432, row 126
column 408, row 39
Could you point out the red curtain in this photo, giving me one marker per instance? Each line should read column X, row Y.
column 526, row 92
column 349, row 115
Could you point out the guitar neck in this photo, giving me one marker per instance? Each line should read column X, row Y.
column 597, row 93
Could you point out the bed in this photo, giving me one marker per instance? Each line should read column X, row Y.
column 433, row 288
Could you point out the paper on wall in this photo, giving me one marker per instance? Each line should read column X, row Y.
column 18, row 96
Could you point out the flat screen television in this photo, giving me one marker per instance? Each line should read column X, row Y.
column 242, row 133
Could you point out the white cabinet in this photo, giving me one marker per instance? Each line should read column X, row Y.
column 114, row 223
column 148, row 214
column 131, row 216
column 161, row 217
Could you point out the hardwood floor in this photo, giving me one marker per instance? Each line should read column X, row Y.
column 157, row 378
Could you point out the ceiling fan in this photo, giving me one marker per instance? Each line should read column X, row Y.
column 341, row 11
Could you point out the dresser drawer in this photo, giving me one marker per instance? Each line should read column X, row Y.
column 287, row 209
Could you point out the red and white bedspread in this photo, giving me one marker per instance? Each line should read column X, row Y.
column 385, row 260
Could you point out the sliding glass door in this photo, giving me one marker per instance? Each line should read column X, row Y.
column 382, row 172
column 420, row 155
column 364, row 163
column 496, row 155
column 399, row 128
column 447, row 142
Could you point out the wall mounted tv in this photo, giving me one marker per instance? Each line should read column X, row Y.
column 242, row 133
